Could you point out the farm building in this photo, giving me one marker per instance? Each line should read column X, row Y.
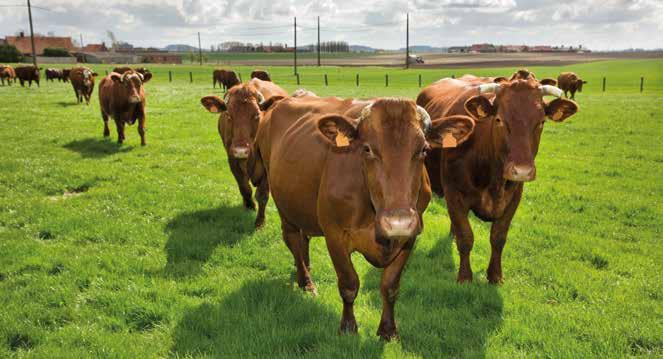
column 23, row 44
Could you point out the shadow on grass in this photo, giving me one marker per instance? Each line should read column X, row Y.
column 193, row 236
column 438, row 317
column 266, row 319
column 67, row 104
column 96, row 147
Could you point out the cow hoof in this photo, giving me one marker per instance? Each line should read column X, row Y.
column 464, row 279
column 259, row 222
column 249, row 205
column 106, row 134
column 495, row 279
column 348, row 327
column 311, row 289
column 388, row 334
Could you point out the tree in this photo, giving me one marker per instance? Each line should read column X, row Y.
column 56, row 52
column 9, row 53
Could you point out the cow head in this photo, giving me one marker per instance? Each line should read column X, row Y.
column 579, row 83
column 390, row 136
column 132, row 81
column 517, row 115
column 242, row 111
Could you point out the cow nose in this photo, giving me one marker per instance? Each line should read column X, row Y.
column 241, row 152
column 399, row 223
column 520, row 173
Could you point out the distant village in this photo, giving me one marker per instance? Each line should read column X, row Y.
column 490, row 48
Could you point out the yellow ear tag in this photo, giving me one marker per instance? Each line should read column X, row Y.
column 342, row 140
column 481, row 112
column 213, row 109
column 557, row 115
column 449, row 141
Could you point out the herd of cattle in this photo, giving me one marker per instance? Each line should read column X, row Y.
column 362, row 172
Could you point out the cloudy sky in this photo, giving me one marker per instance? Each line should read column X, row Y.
column 598, row 24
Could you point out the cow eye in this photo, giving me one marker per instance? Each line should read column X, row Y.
column 367, row 150
column 498, row 120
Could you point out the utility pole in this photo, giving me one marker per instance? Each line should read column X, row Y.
column 200, row 50
column 295, row 52
column 81, row 41
column 32, row 36
column 318, row 41
column 407, row 41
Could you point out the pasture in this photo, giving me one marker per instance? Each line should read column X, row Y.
column 140, row 252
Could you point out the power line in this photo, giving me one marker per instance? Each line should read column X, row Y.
column 32, row 6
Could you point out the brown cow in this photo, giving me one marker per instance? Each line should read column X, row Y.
column 227, row 78
column 486, row 175
column 122, row 97
column 65, row 75
column 358, row 179
column 7, row 73
column 260, row 74
column 53, row 74
column 82, row 80
column 570, row 82
column 123, row 69
column 27, row 73
column 240, row 114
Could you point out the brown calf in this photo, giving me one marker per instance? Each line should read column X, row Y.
column 240, row 114
column 7, row 73
column 122, row 97
column 227, row 78
column 487, row 173
column 358, row 179
column 82, row 80
column 27, row 73
column 54, row 74
column 570, row 82
column 260, row 74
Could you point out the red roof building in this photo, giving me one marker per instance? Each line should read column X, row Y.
column 23, row 44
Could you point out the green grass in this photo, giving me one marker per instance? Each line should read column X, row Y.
column 149, row 253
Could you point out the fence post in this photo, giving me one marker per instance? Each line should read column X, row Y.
column 386, row 80
column 603, row 83
column 419, row 80
column 453, row 76
column 106, row 72
column 170, row 76
column 326, row 80
column 642, row 83
column 297, row 74
column 357, row 80
column 191, row 76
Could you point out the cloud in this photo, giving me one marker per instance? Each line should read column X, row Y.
column 599, row 24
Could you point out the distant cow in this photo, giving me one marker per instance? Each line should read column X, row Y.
column 65, row 75
column 227, row 78
column 7, row 73
column 260, row 74
column 82, row 80
column 486, row 172
column 140, row 70
column 570, row 82
column 53, row 74
column 240, row 114
column 27, row 73
column 353, row 172
column 121, row 97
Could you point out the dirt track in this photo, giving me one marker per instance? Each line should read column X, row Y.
column 437, row 60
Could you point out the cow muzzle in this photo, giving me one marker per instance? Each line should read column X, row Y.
column 134, row 99
column 240, row 152
column 398, row 223
column 520, row 173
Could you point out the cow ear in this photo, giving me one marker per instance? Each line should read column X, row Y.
column 551, row 82
column 265, row 105
column 213, row 104
column 147, row 77
column 338, row 129
column 500, row 79
column 560, row 109
column 479, row 107
column 449, row 132
column 116, row 77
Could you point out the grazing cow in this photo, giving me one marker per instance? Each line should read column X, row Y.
column 53, row 74
column 260, row 74
column 140, row 70
column 122, row 97
column 486, row 174
column 227, row 78
column 27, row 73
column 82, row 80
column 358, row 179
column 240, row 114
column 7, row 73
column 65, row 75
column 570, row 82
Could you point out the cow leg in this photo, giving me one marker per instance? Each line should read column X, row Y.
column 21, row 82
column 104, row 117
column 141, row 130
column 294, row 239
column 348, row 282
column 262, row 197
column 573, row 95
column 498, row 233
column 242, row 182
column 462, row 230
column 389, row 285
column 120, row 131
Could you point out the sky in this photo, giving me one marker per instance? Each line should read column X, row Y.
column 596, row 24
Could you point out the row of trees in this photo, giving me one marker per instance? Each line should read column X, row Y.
column 9, row 53
column 236, row 46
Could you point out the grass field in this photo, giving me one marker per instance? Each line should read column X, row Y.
column 140, row 252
